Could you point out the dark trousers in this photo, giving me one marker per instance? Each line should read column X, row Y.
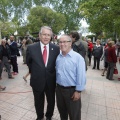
column 66, row 106
column 7, row 65
column 110, row 70
column 39, row 98
column 14, row 64
column 89, row 56
column 96, row 61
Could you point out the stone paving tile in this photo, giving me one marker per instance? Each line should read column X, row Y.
column 100, row 99
column 16, row 99
column 97, row 110
column 94, row 117
column 27, row 104
column 112, row 95
column 5, row 107
column 15, row 113
column 98, row 92
column 115, row 104
column 113, row 114
column 84, row 107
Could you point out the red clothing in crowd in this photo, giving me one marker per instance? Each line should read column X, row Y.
column 90, row 46
column 112, row 55
column 106, row 46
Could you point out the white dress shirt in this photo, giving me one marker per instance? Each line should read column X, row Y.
column 42, row 49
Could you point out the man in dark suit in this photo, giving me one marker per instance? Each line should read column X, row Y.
column 41, row 58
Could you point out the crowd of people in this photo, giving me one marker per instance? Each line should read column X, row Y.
column 58, row 67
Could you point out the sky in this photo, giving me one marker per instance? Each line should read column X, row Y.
column 84, row 23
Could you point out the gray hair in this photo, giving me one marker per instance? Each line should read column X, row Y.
column 3, row 40
column 68, row 37
column 46, row 27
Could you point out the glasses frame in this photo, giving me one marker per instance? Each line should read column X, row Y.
column 64, row 42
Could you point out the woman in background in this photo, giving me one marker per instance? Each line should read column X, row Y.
column 112, row 59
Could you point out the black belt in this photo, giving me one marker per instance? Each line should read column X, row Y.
column 65, row 87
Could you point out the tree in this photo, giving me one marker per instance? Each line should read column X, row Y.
column 17, row 10
column 7, row 28
column 40, row 16
column 102, row 16
column 67, row 7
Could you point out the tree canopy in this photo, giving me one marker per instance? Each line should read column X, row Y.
column 102, row 16
column 17, row 10
column 40, row 16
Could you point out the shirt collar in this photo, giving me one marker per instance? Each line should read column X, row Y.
column 98, row 45
column 42, row 45
column 69, row 53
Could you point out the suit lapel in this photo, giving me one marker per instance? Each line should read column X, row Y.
column 39, row 54
column 51, row 51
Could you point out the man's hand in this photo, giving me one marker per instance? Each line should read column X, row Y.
column 0, row 61
column 76, row 96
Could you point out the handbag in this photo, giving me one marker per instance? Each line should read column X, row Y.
column 115, row 71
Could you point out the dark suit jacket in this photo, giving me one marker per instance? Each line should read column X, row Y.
column 13, row 49
column 41, row 75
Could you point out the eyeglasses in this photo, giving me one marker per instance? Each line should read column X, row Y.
column 46, row 35
column 60, row 42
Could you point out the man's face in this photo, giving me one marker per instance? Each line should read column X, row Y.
column 97, row 42
column 65, row 44
column 11, row 38
column 45, row 36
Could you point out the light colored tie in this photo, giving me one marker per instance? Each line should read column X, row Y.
column 45, row 54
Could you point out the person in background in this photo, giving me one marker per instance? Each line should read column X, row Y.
column 112, row 59
column 85, row 44
column 2, row 88
column 118, row 53
column 97, row 53
column 90, row 49
column 41, row 57
column 14, row 51
column 105, row 61
column 25, row 76
column 5, row 58
column 71, row 80
column 77, row 45
column 104, row 57
column 23, row 49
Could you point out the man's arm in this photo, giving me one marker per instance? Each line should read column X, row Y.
column 80, row 79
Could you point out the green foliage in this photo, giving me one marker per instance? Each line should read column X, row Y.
column 70, row 9
column 7, row 28
column 40, row 16
column 102, row 16
column 16, row 10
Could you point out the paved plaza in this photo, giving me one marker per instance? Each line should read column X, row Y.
column 100, row 99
